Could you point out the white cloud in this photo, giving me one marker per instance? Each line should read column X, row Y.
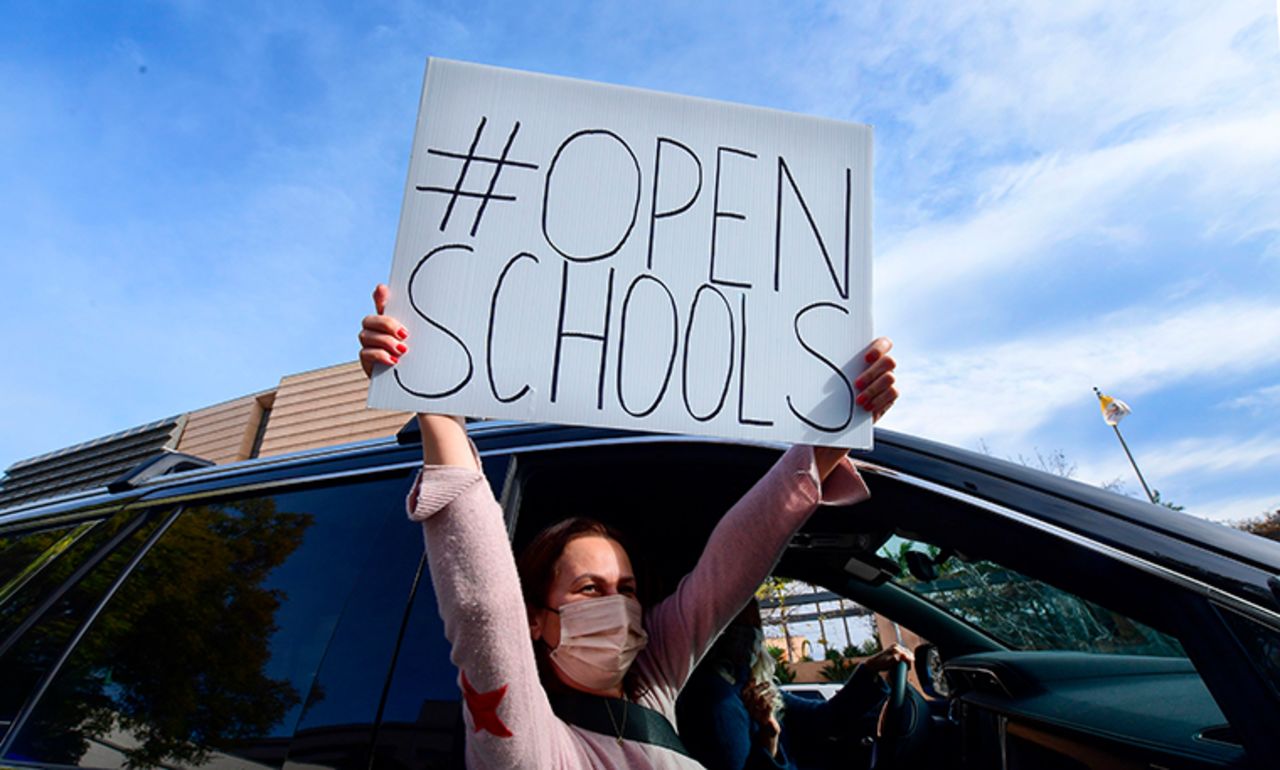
column 985, row 79
column 1216, row 455
column 1264, row 398
column 1030, row 208
column 1004, row 392
column 1234, row 509
column 1012, row 127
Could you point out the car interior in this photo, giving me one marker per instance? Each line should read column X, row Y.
column 1041, row 654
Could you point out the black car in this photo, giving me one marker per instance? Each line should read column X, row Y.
column 277, row 613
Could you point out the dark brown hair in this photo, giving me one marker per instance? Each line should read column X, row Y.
column 537, row 562
column 537, row 568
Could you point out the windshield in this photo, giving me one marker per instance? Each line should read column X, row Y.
column 1018, row 611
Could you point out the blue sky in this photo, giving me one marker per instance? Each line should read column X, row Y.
column 197, row 197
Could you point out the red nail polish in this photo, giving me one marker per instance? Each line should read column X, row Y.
column 402, row 334
column 862, row 401
column 402, row 349
column 395, row 359
column 859, row 384
column 872, row 356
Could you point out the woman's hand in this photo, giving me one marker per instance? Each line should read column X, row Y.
column 887, row 659
column 876, row 394
column 382, row 338
column 383, row 341
column 759, row 703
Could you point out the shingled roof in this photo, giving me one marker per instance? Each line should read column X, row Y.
column 319, row 408
column 87, row 465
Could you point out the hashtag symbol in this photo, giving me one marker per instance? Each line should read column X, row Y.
column 468, row 159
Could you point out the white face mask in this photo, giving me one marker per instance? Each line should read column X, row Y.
column 599, row 638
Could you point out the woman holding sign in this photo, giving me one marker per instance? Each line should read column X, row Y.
column 598, row 686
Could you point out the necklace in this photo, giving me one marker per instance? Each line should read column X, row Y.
column 618, row 730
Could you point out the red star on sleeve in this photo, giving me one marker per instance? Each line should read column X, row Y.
column 484, row 708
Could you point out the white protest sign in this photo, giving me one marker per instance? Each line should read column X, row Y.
column 589, row 254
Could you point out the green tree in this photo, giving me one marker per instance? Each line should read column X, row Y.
column 1057, row 463
column 779, row 590
column 1155, row 493
column 868, row 648
column 841, row 664
column 838, row 667
column 1267, row 525
column 782, row 671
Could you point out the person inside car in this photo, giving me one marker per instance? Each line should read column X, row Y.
column 733, row 716
column 592, row 640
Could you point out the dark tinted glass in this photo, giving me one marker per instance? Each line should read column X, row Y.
column 209, row 649
column 422, row 720
column 40, row 618
column 1262, row 645
column 24, row 555
column 337, row 724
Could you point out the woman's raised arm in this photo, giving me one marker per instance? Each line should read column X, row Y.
column 509, row 720
column 383, row 340
column 751, row 537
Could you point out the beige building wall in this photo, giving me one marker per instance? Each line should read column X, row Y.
column 224, row 433
column 323, row 408
column 800, row 647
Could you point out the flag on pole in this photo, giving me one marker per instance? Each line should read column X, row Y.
column 1113, row 409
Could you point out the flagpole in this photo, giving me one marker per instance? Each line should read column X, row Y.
column 1132, row 462
column 1105, row 400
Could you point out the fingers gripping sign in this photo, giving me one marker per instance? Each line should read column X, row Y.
column 382, row 338
column 876, row 391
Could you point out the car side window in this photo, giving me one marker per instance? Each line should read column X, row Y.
column 340, row 720
column 42, row 613
column 421, row 722
column 1020, row 611
column 1262, row 644
column 24, row 555
column 815, row 636
column 208, row 650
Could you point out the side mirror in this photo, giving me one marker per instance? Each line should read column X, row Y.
column 928, row 668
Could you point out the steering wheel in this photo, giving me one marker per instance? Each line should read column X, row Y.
column 897, row 687
column 898, row 723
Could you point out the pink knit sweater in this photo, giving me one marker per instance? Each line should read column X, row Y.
column 509, row 720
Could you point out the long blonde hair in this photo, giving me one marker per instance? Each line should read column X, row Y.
column 762, row 671
column 727, row 656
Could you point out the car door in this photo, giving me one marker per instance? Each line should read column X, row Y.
column 1040, row 528
column 207, row 645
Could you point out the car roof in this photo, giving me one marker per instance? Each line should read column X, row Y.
column 940, row 463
